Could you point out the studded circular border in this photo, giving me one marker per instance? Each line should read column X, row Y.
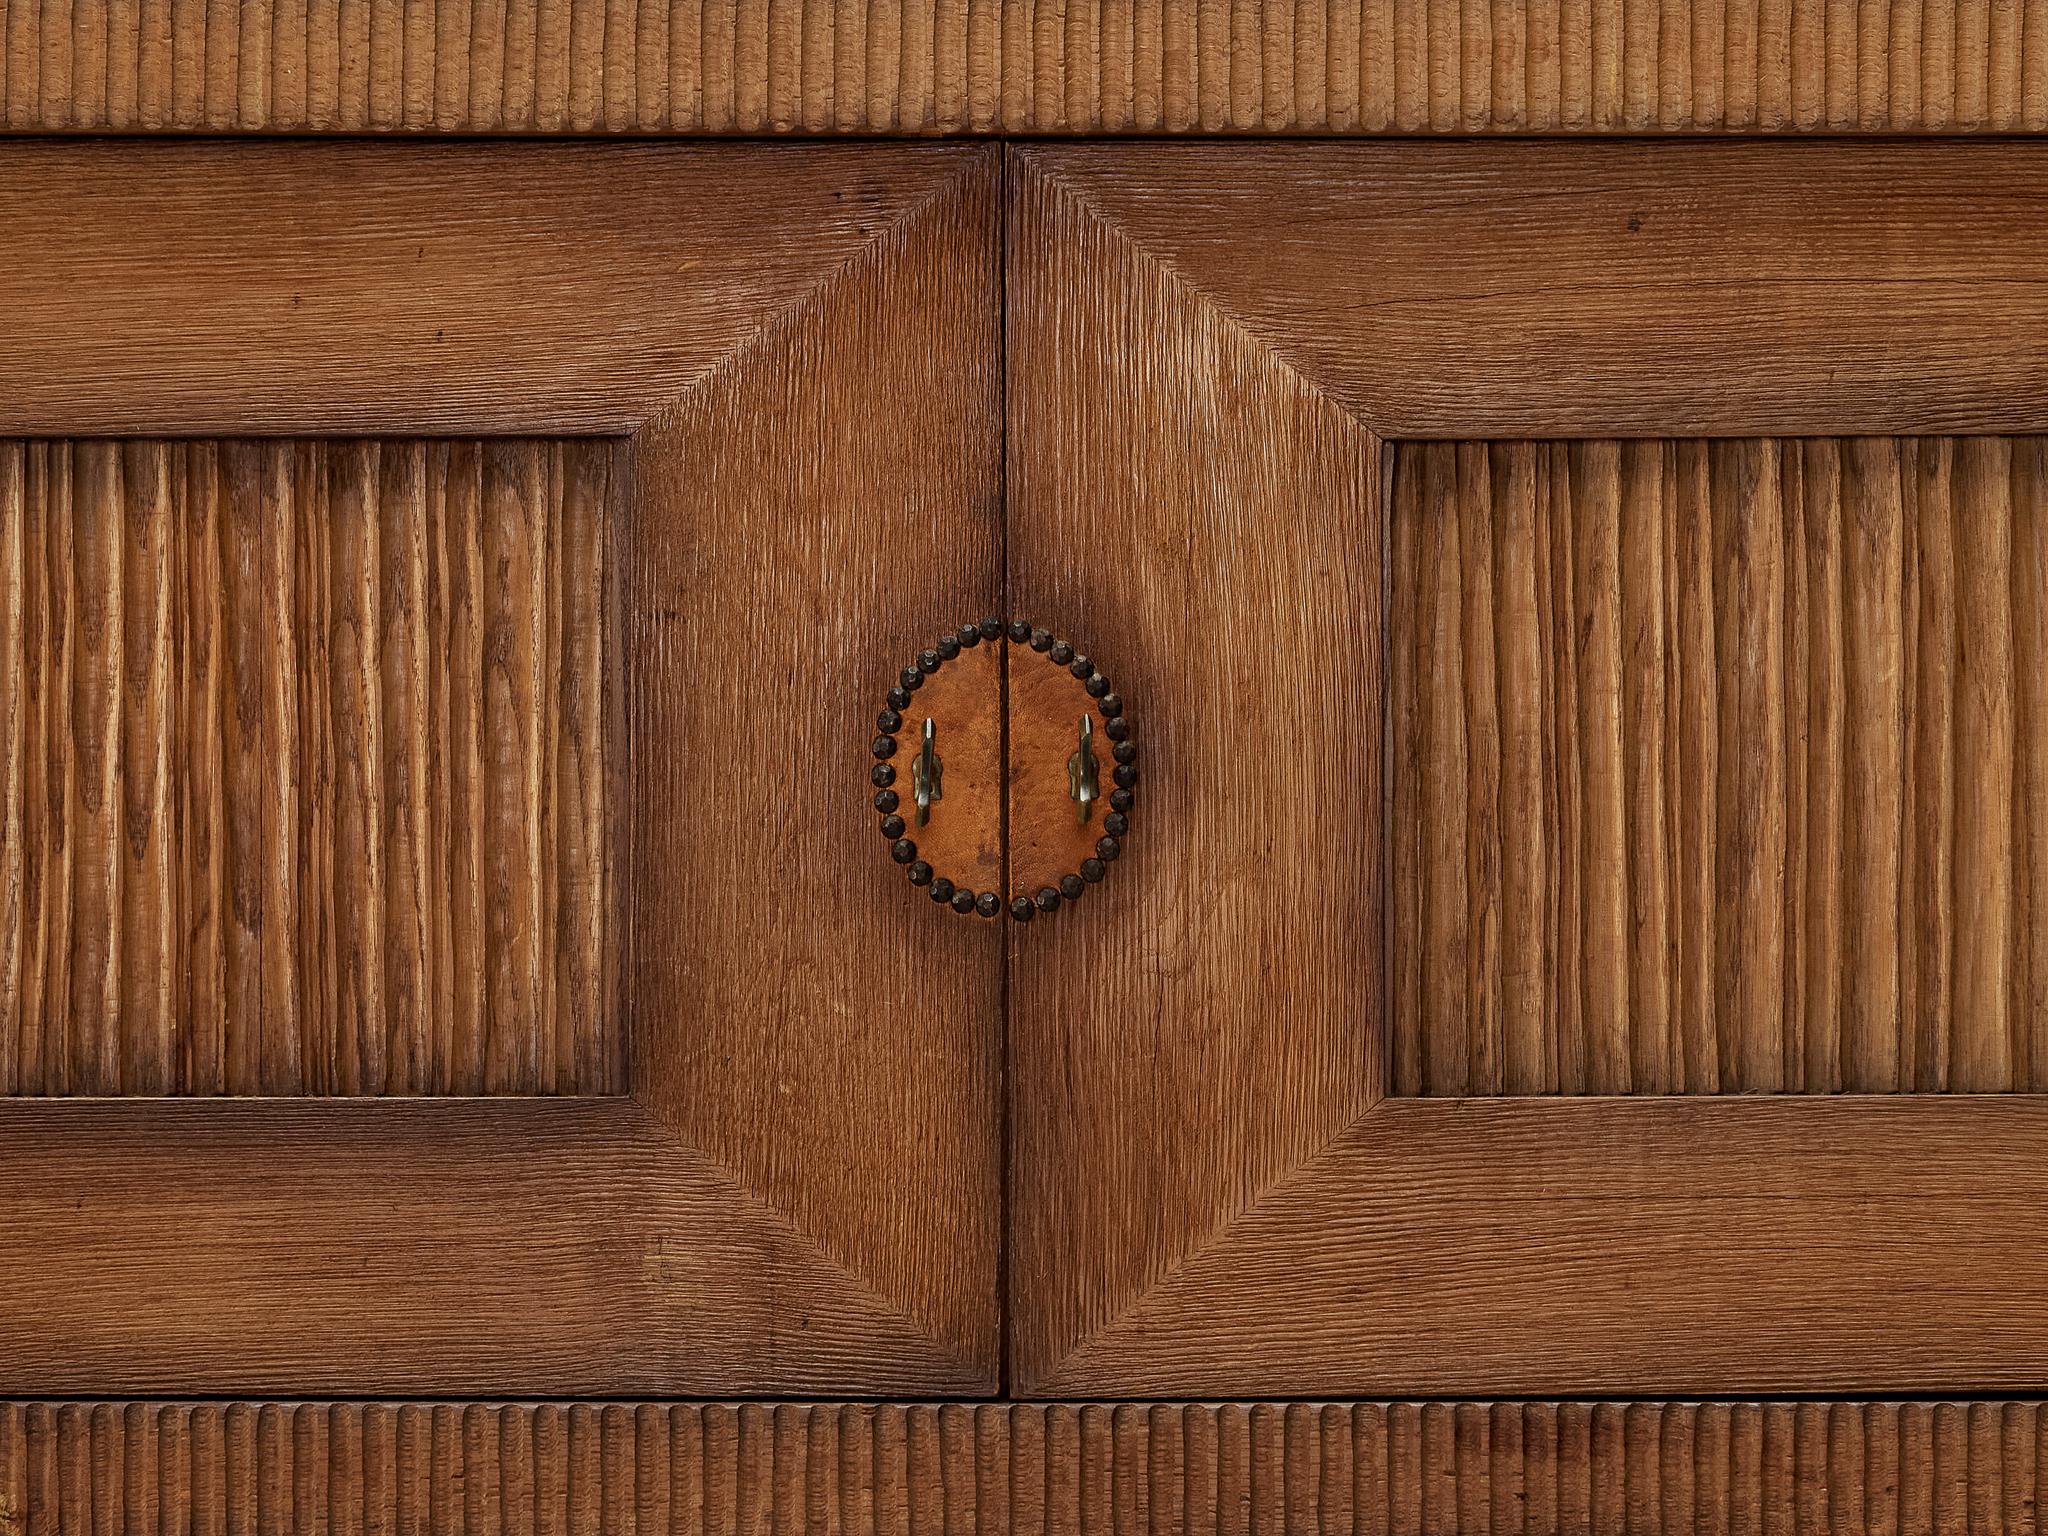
column 1124, row 776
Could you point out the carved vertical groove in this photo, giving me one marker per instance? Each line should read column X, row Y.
column 150, row 1469
column 303, row 768
column 1720, row 767
column 1079, row 66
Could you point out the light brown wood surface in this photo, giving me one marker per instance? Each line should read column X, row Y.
column 304, row 768
column 1027, row 66
column 789, row 1198
column 1211, row 1196
column 807, row 1017
column 1719, row 767
column 1607, row 289
column 262, row 288
column 494, row 1469
column 1720, row 1244
column 1201, row 516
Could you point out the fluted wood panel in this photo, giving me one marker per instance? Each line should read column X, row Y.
column 1720, row 767
column 499, row 1470
column 303, row 769
column 1342, row 66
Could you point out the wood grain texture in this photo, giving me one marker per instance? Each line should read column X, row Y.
column 446, row 289
column 791, row 1199
column 1719, row 767
column 305, row 779
column 1715, row 1245
column 1208, row 1199
column 807, row 1017
column 434, row 1246
column 1207, row 1023
column 1515, row 290
column 781, row 1469
column 1027, row 66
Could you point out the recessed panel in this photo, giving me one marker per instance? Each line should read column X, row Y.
column 305, row 778
column 1719, row 767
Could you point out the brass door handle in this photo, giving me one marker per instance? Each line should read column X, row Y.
column 926, row 772
column 1081, row 781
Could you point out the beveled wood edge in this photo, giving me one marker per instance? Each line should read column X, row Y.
column 1850, row 1256
column 1263, row 1306
column 499, row 1469
column 1466, row 363
column 664, row 453
column 1078, row 1254
column 119, row 1150
column 351, row 375
column 1270, row 67
column 552, row 1245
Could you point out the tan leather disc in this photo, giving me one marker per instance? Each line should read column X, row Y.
column 1049, row 835
column 962, row 840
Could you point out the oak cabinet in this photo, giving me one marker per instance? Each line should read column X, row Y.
column 1587, row 602
column 1570, row 1003
column 441, row 949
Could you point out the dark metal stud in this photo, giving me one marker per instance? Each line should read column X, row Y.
column 883, row 746
column 927, row 661
column 1020, row 909
column 1062, row 653
column 1081, row 666
column 1125, row 751
column 903, row 850
column 942, row 889
column 1126, row 775
column 1107, row 848
column 1041, row 639
column 1121, row 799
column 888, row 722
column 1109, row 706
column 886, row 801
column 892, row 827
column 1116, row 823
column 949, row 647
column 970, row 634
column 988, row 903
column 881, row 775
column 920, row 873
column 1019, row 631
column 1116, row 729
column 899, row 698
column 1092, row 870
column 1071, row 887
column 1048, row 900
column 1097, row 685
column 963, row 902
column 991, row 628
column 911, row 678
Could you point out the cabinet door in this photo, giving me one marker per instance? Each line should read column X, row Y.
column 1587, row 612
column 441, row 948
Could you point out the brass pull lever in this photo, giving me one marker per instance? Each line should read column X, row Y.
column 926, row 772
column 1082, row 783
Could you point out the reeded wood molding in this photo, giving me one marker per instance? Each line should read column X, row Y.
column 998, row 1467
column 1719, row 767
column 304, row 782
column 1026, row 66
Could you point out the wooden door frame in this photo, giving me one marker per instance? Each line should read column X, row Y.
column 787, row 1197
column 1212, row 1192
